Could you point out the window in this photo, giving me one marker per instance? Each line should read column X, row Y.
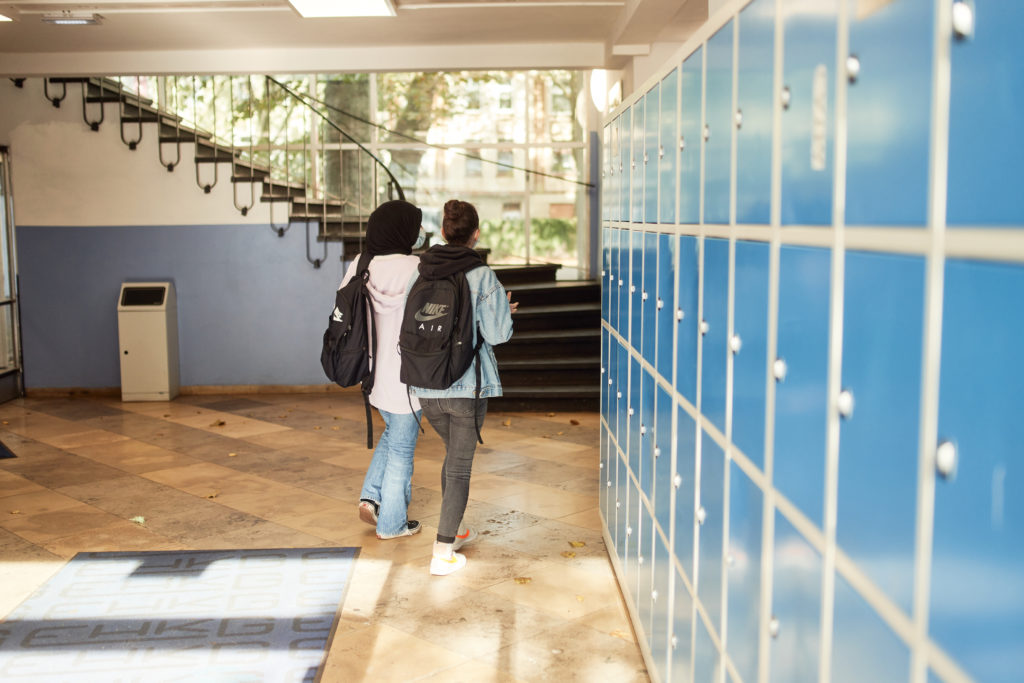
column 506, row 160
column 474, row 166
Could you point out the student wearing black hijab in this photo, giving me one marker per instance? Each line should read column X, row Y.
column 392, row 232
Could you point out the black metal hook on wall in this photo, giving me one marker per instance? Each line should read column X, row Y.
column 55, row 101
column 101, row 99
column 316, row 262
column 123, row 100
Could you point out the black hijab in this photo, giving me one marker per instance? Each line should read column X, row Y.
column 393, row 228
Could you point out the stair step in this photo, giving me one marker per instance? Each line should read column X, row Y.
column 547, row 362
column 560, row 292
column 516, row 275
column 145, row 118
column 102, row 98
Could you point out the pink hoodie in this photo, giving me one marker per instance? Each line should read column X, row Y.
column 389, row 280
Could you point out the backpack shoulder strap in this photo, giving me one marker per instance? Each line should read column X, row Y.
column 363, row 272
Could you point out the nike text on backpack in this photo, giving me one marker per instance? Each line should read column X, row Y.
column 350, row 341
column 436, row 338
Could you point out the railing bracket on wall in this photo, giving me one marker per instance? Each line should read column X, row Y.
column 55, row 101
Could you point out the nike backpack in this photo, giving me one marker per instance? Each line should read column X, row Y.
column 350, row 341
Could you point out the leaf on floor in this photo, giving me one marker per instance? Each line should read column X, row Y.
column 622, row 634
column 574, row 423
column 335, row 428
column 232, row 455
column 213, row 495
column 568, row 554
column 138, row 519
column 167, row 414
column 523, row 579
column 579, row 598
column 283, row 417
column 317, row 427
column 507, row 422
column 15, row 512
column 551, row 414
column 545, row 436
column 6, row 422
column 218, row 423
column 577, row 544
column 560, row 433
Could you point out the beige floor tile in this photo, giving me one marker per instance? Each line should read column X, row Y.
column 563, row 591
column 612, row 620
column 122, row 536
column 22, row 577
column 206, row 479
column 133, row 456
column 473, row 672
column 89, row 437
column 259, row 534
column 226, row 424
column 546, row 502
column 34, row 503
column 13, row 485
column 559, row 544
column 384, row 654
column 588, row 519
column 47, row 526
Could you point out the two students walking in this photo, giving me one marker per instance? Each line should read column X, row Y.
column 455, row 412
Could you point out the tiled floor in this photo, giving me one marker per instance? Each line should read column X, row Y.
column 538, row 600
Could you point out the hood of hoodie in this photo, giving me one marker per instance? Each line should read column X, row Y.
column 444, row 259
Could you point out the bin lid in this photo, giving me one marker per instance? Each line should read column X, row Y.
column 143, row 295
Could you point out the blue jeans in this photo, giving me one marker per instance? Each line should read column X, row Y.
column 388, row 481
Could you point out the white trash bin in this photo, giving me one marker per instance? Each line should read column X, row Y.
column 147, row 332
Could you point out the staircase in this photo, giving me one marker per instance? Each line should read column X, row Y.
column 553, row 361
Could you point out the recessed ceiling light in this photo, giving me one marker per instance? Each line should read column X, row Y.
column 344, row 8
column 69, row 18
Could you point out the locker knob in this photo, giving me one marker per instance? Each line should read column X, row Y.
column 682, row 143
column 704, row 327
column 644, row 296
column 645, row 158
column 654, row 595
column 730, row 560
column 702, row 514
column 679, row 314
column 631, row 412
column 620, row 282
column 845, row 403
column 785, row 96
column 735, row 343
column 643, row 429
column 963, row 19
column 707, row 132
column 945, row 460
column 609, row 381
column 640, row 560
column 657, row 452
column 602, row 371
column 852, row 68
column 617, row 503
column 618, row 394
column 620, row 166
column 609, row 483
column 611, row 277
column 660, row 304
column 632, row 289
column 629, row 531
column 600, row 466
column 739, row 118
column 126, row 352
column 677, row 481
column 602, row 273
column 675, row 642
column 773, row 627
column 661, row 151
column 779, row 370
column 632, row 164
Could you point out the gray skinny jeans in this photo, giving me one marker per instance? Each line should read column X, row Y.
column 454, row 420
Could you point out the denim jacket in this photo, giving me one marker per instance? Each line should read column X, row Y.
column 493, row 320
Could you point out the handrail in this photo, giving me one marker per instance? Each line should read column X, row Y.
column 393, row 182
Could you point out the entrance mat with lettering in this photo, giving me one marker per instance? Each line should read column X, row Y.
column 221, row 615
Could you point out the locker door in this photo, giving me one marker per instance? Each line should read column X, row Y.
column 755, row 107
column 665, row 304
column 663, row 459
column 750, row 366
column 715, row 350
column 889, row 115
column 684, row 480
column 705, row 655
column 606, row 375
column 718, row 125
column 625, row 162
column 606, row 176
column 661, row 623
column 615, row 171
column 883, row 319
column 636, row 287
column 687, row 319
column 652, row 107
column 744, row 571
column 986, row 142
column 636, row 166
column 646, row 473
column 808, row 121
column 606, row 264
column 625, row 258
column 796, row 605
column 668, row 123
column 801, row 397
column 864, row 648
column 682, row 631
column 711, row 507
column 636, row 399
column 613, row 278
column 602, row 481
column 978, row 553
column 648, row 297
column 691, row 104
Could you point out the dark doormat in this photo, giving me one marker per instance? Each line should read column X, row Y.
column 6, row 452
column 225, row 615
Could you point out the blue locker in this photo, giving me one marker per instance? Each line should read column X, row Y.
column 661, row 622
column 632, row 554
column 690, row 117
column 606, row 178
column 686, row 475
column 864, row 648
column 665, row 305
column 889, row 115
column 705, row 656
column 636, row 401
column 636, row 286
column 606, row 375
column 646, row 473
column 663, row 460
column 680, row 640
column 712, row 503
column 645, row 568
column 622, row 398
column 718, row 125
column 883, row 319
column 796, row 605
column 625, row 162
column 801, row 398
column 636, row 166
column 715, row 350
column 649, row 298
column 809, row 120
column 606, row 262
column 750, row 366
column 744, row 572
column 977, row 593
column 986, row 143
column 755, row 105
column 621, row 510
column 686, row 316
column 611, row 386
column 625, row 259
column 602, row 479
column 612, row 283
column 668, row 122
column 652, row 106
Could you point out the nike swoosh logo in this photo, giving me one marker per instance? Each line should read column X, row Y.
column 424, row 317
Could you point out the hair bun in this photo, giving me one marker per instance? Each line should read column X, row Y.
column 453, row 209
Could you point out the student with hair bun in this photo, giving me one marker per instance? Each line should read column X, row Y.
column 456, row 412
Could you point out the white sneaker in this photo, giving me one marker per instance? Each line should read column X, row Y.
column 468, row 535
column 442, row 566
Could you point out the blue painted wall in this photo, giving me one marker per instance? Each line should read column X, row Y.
column 730, row 498
column 251, row 310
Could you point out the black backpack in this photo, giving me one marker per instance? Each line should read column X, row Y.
column 436, row 337
column 351, row 340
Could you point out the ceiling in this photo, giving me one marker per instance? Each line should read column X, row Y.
column 255, row 36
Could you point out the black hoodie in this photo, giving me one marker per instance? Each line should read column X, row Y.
column 442, row 260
